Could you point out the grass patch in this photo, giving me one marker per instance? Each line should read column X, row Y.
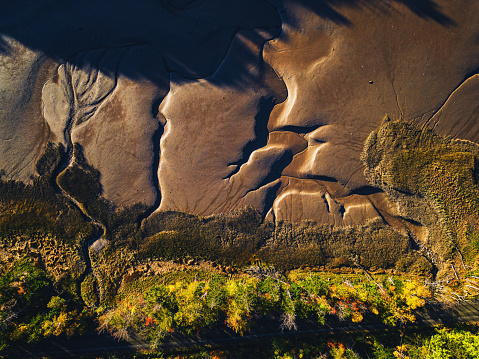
column 37, row 220
column 286, row 246
column 81, row 181
column 39, row 207
column 433, row 178
column 306, row 244
column 231, row 239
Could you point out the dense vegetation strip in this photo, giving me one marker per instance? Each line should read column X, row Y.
column 191, row 304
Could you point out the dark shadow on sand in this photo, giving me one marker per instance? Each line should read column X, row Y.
column 192, row 38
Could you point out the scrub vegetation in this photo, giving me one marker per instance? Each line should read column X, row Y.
column 434, row 179
column 176, row 273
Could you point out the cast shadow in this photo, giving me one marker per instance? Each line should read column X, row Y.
column 191, row 39
column 331, row 9
column 429, row 10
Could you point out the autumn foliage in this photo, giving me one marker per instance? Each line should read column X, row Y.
column 191, row 305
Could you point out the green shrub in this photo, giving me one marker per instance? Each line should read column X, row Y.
column 449, row 344
column 89, row 291
column 29, row 310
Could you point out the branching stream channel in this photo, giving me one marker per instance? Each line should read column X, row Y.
column 97, row 241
